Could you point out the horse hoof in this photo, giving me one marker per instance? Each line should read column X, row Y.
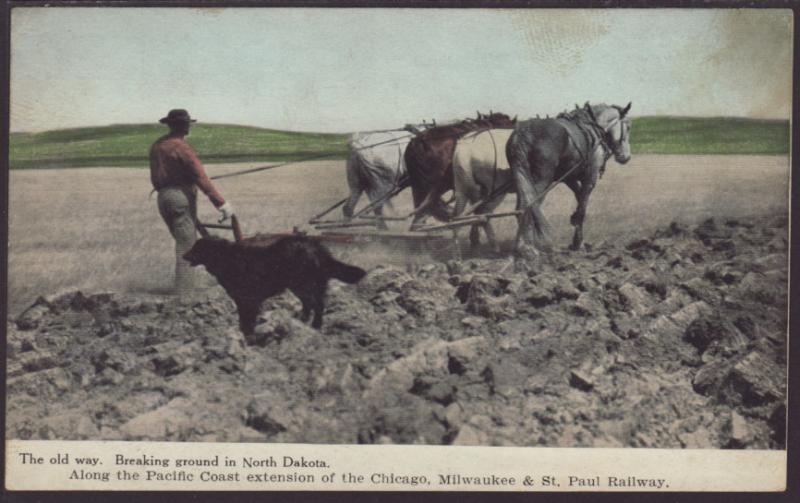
column 574, row 247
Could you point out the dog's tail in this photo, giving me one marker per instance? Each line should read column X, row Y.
column 344, row 272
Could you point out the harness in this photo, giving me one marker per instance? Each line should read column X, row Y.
column 399, row 176
column 494, row 172
column 593, row 135
column 473, row 134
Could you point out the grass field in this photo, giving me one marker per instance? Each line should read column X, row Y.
column 673, row 135
column 97, row 229
column 127, row 145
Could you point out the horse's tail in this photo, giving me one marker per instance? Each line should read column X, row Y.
column 416, row 174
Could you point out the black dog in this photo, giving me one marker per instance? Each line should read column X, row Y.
column 250, row 273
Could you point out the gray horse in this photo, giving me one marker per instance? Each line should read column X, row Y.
column 572, row 148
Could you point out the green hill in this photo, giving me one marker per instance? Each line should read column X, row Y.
column 127, row 145
column 715, row 135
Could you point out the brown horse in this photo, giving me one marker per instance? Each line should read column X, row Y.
column 429, row 161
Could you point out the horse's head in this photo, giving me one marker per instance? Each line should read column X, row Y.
column 614, row 120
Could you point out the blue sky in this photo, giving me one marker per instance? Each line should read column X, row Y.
column 343, row 70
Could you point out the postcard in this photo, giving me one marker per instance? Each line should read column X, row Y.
column 496, row 249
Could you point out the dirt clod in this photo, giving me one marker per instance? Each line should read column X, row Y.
column 676, row 339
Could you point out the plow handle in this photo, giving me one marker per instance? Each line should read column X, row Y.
column 237, row 231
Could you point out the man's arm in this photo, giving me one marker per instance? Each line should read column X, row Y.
column 201, row 179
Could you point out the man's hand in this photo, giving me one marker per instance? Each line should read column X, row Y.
column 226, row 210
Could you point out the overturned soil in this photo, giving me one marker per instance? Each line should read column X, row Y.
column 674, row 340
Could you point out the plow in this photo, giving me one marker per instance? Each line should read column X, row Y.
column 364, row 229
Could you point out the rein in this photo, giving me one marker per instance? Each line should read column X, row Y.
column 312, row 158
column 323, row 156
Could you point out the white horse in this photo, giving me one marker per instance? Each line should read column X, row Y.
column 376, row 166
column 480, row 167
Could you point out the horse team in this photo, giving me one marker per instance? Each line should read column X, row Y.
column 480, row 160
column 483, row 159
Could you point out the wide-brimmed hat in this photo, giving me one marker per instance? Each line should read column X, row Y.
column 177, row 115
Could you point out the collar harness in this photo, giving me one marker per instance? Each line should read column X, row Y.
column 593, row 135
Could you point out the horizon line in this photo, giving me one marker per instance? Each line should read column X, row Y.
column 665, row 116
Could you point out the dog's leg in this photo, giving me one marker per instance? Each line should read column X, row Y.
column 305, row 315
column 248, row 312
column 306, row 297
column 319, row 303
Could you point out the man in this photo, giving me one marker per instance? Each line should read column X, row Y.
column 176, row 173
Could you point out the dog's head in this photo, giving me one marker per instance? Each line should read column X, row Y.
column 208, row 252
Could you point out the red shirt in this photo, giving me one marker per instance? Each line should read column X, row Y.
column 174, row 163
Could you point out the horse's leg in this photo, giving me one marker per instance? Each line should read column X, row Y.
column 474, row 231
column 379, row 217
column 388, row 204
column 575, row 186
column 438, row 207
column 580, row 212
column 350, row 205
column 460, row 190
column 377, row 193
column 456, row 245
column 354, row 182
column 487, row 209
column 423, row 206
column 491, row 237
column 518, row 217
column 462, row 197
column 474, row 236
column 541, row 228
column 525, row 199
column 420, row 212
column 533, row 225
column 520, row 170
